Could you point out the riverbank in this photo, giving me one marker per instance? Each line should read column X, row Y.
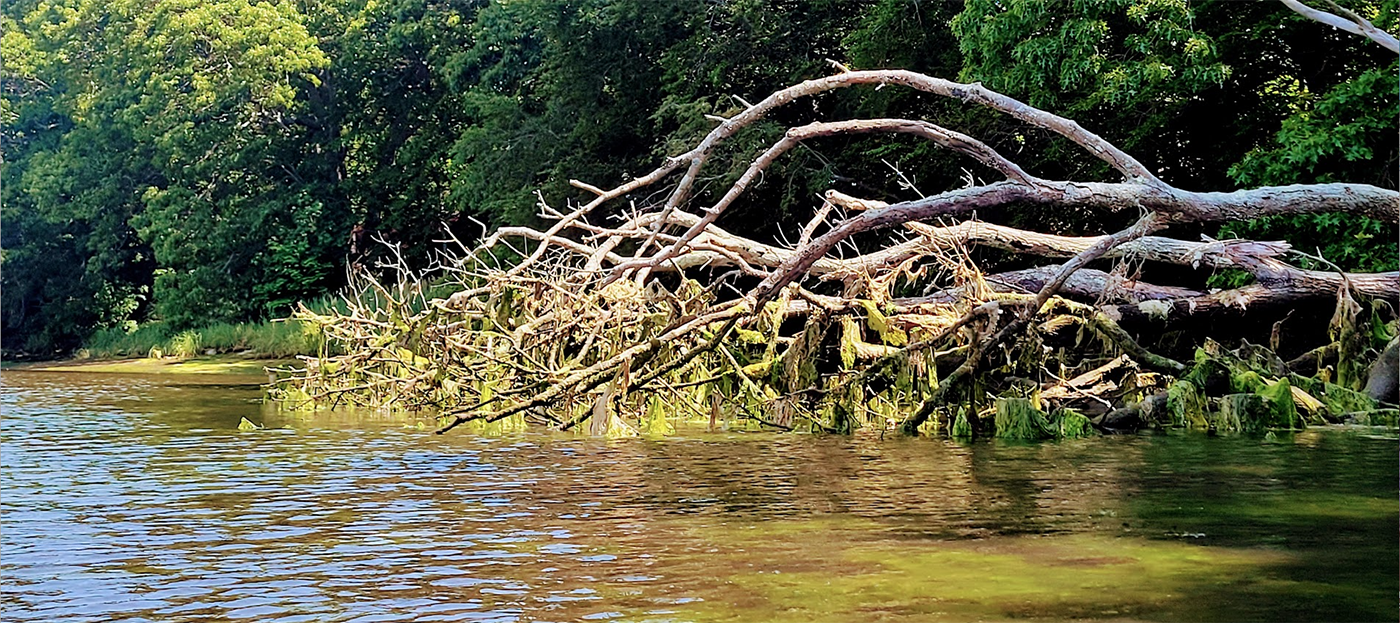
column 227, row 365
column 274, row 339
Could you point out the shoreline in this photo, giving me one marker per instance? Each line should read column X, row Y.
column 221, row 365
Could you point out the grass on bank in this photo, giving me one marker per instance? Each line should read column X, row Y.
column 274, row 339
column 279, row 339
column 217, row 365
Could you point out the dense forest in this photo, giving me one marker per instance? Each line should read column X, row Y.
column 196, row 162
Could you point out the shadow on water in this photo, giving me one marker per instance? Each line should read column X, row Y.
column 136, row 498
column 1328, row 499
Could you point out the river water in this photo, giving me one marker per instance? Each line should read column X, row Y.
column 131, row 498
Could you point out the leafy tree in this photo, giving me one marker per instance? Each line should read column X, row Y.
column 204, row 161
column 70, row 260
column 1210, row 94
column 180, row 140
column 1127, row 68
column 558, row 89
column 390, row 94
column 1339, row 123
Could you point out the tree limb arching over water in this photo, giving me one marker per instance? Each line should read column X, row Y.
column 661, row 314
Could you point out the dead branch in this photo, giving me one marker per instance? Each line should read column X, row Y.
column 597, row 317
column 1345, row 20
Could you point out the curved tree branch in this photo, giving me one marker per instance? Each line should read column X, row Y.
column 1346, row 20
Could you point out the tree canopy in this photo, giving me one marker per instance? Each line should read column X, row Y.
column 193, row 162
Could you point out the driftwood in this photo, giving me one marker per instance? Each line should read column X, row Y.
column 601, row 322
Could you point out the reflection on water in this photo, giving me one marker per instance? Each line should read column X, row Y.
column 134, row 498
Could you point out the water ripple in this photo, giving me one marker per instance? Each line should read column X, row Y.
column 134, row 499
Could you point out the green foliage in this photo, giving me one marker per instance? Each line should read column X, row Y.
column 184, row 344
column 398, row 102
column 1071, row 424
column 1330, row 133
column 1340, row 129
column 1129, row 68
column 961, row 427
column 1197, row 90
column 1118, row 53
column 1020, row 418
column 172, row 149
column 273, row 340
column 118, row 342
column 195, row 163
column 1186, row 405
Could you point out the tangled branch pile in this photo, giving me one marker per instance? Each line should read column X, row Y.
column 634, row 325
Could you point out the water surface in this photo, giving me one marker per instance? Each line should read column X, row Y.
column 130, row 498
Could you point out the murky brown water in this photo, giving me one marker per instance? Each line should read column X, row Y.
column 130, row 498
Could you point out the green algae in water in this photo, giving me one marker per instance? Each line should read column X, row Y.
column 1244, row 381
column 961, row 427
column 1380, row 417
column 654, row 421
column 1281, row 411
column 1341, row 400
column 1186, row 405
column 1235, row 410
column 1208, row 373
column 507, row 425
column 1074, row 576
column 1017, row 418
column 1072, row 424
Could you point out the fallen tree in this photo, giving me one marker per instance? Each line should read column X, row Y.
column 632, row 325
